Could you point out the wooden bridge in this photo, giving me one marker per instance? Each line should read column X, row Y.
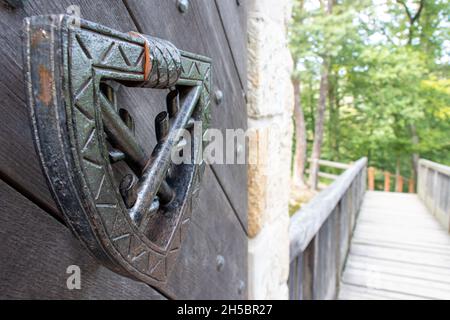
column 351, row 244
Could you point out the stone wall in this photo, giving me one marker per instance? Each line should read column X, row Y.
column 270, row 107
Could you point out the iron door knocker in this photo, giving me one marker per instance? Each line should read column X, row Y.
column 134, row 227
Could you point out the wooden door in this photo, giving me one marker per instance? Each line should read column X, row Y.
column 37, row 247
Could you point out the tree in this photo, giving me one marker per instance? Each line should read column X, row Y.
column 300, row 154
column 387, row 66
column 318, row 131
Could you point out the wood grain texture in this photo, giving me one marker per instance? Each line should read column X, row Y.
column 310, row 258
column 292, row 280
column 433, row 187
column 19, row 163
column 350, row 292
column 233, row 16
column 306, row 223
column 344, row 230
column 200, row 30
column 35, row 251
column 398, row 251
column 296, row 278
column 213, row 232
column 215, row 229
column 325, row 253
column 326, row 273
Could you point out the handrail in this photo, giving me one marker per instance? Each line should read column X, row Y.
column 435, row 166
column 308, row 220
column 399, row 181
column 325, row 175
column 332, row 164
column 433, row 189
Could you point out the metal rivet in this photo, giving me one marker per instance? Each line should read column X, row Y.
column 220, row 261
column 241, row 287
column 218, row 96
column 116, row 155
column 183, row 5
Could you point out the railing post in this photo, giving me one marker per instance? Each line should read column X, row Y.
column 320, row 234
column 387, row 181
column 411, row 184
column 399, row 184
column 434, row 189
column 371, row 178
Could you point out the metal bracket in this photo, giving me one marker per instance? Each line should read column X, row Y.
column 134, row 227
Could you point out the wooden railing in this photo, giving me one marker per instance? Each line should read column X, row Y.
column 320, row 234
column 433, row 187
column 326, row 175
column 400, row 181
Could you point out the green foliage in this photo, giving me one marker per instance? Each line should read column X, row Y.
column 388, row 78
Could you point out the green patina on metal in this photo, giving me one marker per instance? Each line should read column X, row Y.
column 137, row 228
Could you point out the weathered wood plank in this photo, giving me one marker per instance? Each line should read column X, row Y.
column 309, row 257
column 352, row 292
column 326, row 175
column 307, row 222
column 18, row 161
column 418, row 246
column 433, row 187
column 403, row 269
column 325, row 280
column 200, row 30
column 320, row 234
column 213, row 234
column 35, row 251
column 396, row 254
column 196, row 275
column 435, row 166
column 231, row 113
column 345, row 232
column 412, row 286
column 233, row 16
column 19, row 164
column 293, row 279
column 398, row 251
column 332, row 164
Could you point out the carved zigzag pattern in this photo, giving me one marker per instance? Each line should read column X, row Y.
column 112, row 55
column 199, row 70
column 91, row 49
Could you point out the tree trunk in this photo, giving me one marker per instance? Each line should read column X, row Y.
column 333, row 109
column 331, row 128
column 415, row 155
column 412, row 19
column 397, row 174
column 337, row 124
column 300, row 137
column 320, row 116
column 318, row 131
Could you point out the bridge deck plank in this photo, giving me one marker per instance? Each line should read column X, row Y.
column 398, row 251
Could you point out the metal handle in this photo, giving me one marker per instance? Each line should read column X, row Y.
column 135, row 227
